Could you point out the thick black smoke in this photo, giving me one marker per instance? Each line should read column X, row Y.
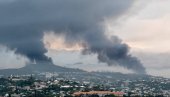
column 23, row 23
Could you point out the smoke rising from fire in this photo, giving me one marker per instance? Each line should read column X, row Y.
column 23, row 23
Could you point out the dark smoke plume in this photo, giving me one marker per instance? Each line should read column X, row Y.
column 23, row 23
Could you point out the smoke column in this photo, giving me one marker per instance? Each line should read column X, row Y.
column 23, row 23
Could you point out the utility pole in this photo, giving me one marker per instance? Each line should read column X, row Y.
column 35, row 93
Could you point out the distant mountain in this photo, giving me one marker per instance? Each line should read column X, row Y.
column 37, row 68
column 73, row 73
column 118, row 75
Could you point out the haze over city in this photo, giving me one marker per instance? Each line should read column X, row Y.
column 113, row 35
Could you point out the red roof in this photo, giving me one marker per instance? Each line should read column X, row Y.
column 99, row 92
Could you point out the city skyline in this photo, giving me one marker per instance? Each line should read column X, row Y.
column 137, row 30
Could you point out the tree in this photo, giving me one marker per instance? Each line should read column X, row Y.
column 111, row 95
column 94, row 95
column 68, row 96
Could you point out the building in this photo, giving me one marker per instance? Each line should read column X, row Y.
column 100, row 93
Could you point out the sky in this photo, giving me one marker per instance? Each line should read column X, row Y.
column 143, row 26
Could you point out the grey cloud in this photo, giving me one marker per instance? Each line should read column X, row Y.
column 24, row 21
column 157, row 61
